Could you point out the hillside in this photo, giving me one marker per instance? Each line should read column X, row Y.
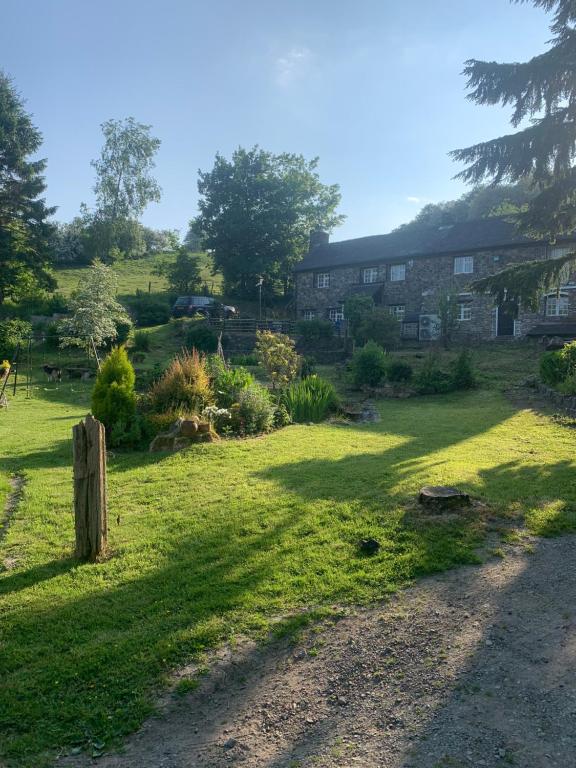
column 136, row 274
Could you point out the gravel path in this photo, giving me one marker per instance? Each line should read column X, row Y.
column 476, row 667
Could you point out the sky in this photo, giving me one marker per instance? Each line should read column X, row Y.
column 372, row 87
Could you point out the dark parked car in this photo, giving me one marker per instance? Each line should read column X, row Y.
column 203, row 306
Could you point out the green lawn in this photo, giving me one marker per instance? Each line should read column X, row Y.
column 135, row 274
column 224, row 537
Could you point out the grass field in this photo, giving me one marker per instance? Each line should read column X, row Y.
column 135, row 274
column 223, row 538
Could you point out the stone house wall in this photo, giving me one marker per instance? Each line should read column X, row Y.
column 427, row 279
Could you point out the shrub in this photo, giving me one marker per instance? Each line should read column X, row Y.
column 243, row 360
column 52, row 336
column 556, row 367
column 149, row 310
column 219, row 418
column 311, row 399
column 13, row 332
column 277, row 355
column 141, row 341
column 307, row 367
column 369, row 365
column 462, row 371
column 254, row 411
column 227, row 383
column 379, row 326
column 314, row 331
column 281, row 416
column 113, row 396
column 185, row 386
column 201, row 337
column 123, row 328
column 568, row 386
column 432, row 380
column 399, row 372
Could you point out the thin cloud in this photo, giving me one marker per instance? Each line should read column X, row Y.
column 412, row 199
column 293, row 66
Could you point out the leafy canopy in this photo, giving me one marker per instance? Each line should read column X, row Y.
column 24, row 228
column 256, row 214
column 95, row 313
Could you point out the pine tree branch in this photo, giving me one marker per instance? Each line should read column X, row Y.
column 527, row 281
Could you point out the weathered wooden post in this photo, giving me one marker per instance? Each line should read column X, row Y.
column 90, row 513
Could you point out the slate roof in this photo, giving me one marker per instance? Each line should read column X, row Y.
column 409, row 243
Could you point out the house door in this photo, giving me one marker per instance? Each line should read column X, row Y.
column 507, row 313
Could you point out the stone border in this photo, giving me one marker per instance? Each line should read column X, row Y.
column 566, row 402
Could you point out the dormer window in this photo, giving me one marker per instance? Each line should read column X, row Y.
column 370, row 275
column 323, row 280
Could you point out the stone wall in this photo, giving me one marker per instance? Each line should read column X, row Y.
column 427, row 279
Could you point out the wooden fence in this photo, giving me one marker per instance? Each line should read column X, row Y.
column 246, row 325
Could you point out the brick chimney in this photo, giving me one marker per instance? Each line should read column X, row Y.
column 318, row 237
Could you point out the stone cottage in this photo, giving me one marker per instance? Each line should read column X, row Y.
column 409, row 271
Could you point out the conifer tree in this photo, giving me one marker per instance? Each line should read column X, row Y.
column 542, row 94
column 25, row 232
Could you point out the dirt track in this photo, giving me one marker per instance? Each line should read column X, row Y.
column 471, row 668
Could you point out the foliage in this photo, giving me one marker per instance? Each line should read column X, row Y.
column 123, row 328
column 141, row 341
column 124, row 184
column 399, row 372
column 448, row 311
column 13, row 332
column 113, row 396
column 25, row 232
column 307, row 367
column 149, row 310
column 278, row 357
column 281, row 416
column 200, row 336
column 378, row 326
column 481, row 202
column 256, row 214
column 315, row 331
column 312, row 399
column 160, row 240
column 356, row 309
column 251, row 360
column 432, row 380
column 463, row 372
column 219, row 418
column 227, row 383
column 541, row 93
column 95, row 312
column 182, row 273
column 254, row 411
column 369, row 365
column 185, row 386
column 558, row 366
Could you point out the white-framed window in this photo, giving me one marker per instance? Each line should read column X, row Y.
column 336, row 314
column 398, row 311
column 323, row 280
column 464, row 311
column 463, row 265
column 557, row 251
column 309, row 314
column 370, row 275
column 557, row 305
column 397, row 272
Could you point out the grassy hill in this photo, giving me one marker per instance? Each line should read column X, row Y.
column 136, row 274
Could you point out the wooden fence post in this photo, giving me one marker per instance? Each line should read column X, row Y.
column 90, row 513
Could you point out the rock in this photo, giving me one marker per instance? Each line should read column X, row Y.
column 442, row 497
column 368, row 546
column 230, row 743
column 188, row 428
column 204, row 427
column 162, row 443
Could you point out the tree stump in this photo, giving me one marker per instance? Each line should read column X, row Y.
column 90, row 512
column 441, row 498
